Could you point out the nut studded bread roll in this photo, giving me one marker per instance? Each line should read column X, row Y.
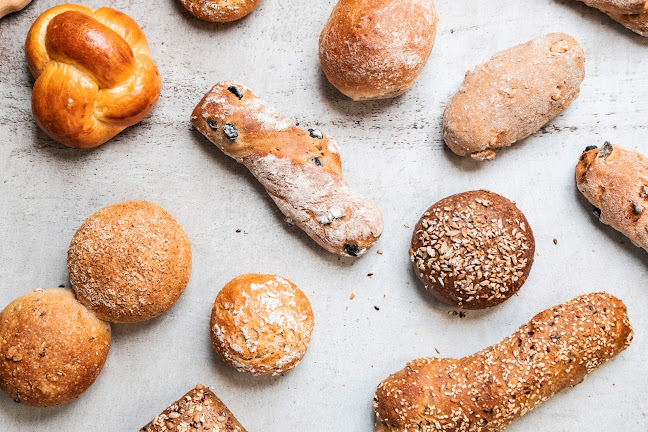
column 220, row 10
column 376, row 49
column 633, row 14
column 198, row 410
column 301, row 170
column 51, row 348
column 9, row 6
column 513, row 95
column 261, row 324
column 615, row 181
column 473, row 250
column 129, row 262
column 486, row 391
column 94, row 75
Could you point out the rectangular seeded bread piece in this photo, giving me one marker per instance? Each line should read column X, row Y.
column 198, row 410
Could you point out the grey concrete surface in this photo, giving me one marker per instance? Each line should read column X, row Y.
column 392, row 151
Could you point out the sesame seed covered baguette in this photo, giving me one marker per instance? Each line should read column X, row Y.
column 615, row 181
column 198, row 410
column 486, row 391
column 301, row 170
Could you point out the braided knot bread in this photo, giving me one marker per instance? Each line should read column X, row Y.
column 94, row 75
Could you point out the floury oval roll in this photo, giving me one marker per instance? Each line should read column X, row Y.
column 513, row 95
column 486, row 391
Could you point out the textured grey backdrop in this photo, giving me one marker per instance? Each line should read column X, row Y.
column 392, row 151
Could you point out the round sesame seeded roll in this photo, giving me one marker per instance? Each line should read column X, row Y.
column 473, row 250
column 486, row 391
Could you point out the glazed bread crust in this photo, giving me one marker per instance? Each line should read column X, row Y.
column 615, row 181
column 198, row 410
column 94, row 74
column 220, row 10
column 51, row 348
column 301, row 170
column 513, row 95
column 261, row 324
column 633, row 14
column 376, row 49
column 129, row 262
column 473, row 250
column 486, row 391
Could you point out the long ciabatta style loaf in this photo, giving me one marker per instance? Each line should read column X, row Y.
column 198, row 410
column 632, row 14
column 301, row 170
column 615, row 181
column 486, row 391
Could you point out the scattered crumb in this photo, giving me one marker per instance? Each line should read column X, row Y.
column 555, row 241
column 407, row 282
column 376, row 307
column 463, row 314
column 406, row 225
column 453, row 313
column 384, row 295
column 62, row 286
column 347, row 308
column 352, row 296
column 379, row 252
column 437, row 350
column 238, row 230
column 416, row 333
column 369, row 274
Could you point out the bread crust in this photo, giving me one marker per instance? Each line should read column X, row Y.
column 129, row 262
column 615, row 181
column 376, row 49
column 473, row 250
column 632, row 14
column 486, row 391
column 198, row 410
column 513, row 95
column 94, row 74
column 51, row 348
column 261, row 324
column 9, row 6
column 220, row 10
column 301, row 170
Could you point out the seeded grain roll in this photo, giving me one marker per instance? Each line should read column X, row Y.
column 51, row 348
column 615, row 181
column 376, row 49
column 129, row 262
column 486, row 391
column 473, row 250
column 261, row 324
column 513, row 95
column 633, row 14
column 198, row 410
column 220, row 10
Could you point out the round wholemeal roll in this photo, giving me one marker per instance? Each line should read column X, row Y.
column 261, row 324
column 473, row 250
column 220, row 10
column 376, row 49
column 51, row 348
column 129, row 262
column 94, row 74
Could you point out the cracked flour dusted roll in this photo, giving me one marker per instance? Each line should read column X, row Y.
column 615, row 181
column 51, row 348
column 261, row 324
column 220, row 10
column 376, row 49
column 486, row 391
column 301, row 170
column 633, row 14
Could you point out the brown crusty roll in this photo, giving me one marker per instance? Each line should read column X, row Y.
column 129, row 262
column 473, row 250
column 198, row 410
column 633, row 14
column 220, row 10
column 615, row 181
column 261, row 324
column 94, row 74
column 376, row 49
column 486, row 391
column 51, row 348
column 513, row 95
column 301, row 170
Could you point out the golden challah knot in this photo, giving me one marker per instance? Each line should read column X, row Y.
column 94, row 74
